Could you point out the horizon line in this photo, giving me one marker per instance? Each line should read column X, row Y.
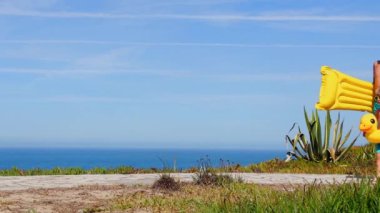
column 133, row 147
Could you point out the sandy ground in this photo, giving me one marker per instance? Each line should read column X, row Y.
column 63, row 200
column 75, row 193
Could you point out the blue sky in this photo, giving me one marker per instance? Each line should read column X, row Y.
column 171, row 73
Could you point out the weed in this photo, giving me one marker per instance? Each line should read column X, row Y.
column 206, row 175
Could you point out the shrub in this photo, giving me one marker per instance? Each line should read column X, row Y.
column 213, row 179
column 318, row 146
column 207, row 176
column 166, row 182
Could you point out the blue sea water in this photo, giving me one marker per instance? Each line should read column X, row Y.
column 27, row 158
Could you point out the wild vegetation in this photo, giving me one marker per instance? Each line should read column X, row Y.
column 69, row 171
column 166, row 182
column 242, row 197
column 317, row 145
column 207, row 194
column 208, row 176
column 360, row 160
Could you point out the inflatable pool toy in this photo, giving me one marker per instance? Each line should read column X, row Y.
column 368, row 125
column 344, row 92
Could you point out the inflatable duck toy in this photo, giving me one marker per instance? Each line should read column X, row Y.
column 368, row 125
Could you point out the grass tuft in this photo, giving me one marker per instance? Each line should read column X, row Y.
column 213, row 179
column 206, row 175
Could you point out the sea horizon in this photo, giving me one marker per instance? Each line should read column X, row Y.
column 91, row 157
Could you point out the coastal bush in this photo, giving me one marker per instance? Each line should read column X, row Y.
column 228, row 166
column 213, row 179
column 318, row 147
column 166, row 182
column 166, row 167
column 125, row 170
column 347, row 166
column 363, row 153
column 206, row 175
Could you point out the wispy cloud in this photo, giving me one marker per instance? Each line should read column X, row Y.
column 193, row 44
column 74, row 99
column 177, row 99
column 222, row 17
column 221, row 77
column 230, row 98
column 111, row 59
column 287, row 77
column 11, row 5
column 75, row 72
column 86, row 99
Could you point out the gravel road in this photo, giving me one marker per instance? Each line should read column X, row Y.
column 58, row 181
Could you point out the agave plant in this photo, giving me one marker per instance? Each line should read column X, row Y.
column 318, row 147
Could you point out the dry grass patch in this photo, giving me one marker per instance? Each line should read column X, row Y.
column 166, row 182
column 191, row 197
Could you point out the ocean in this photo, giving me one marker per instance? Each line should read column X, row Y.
column 26, row 158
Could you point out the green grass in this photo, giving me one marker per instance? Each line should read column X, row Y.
column 242, row 197
column 300, row 166
column 360, row 197
column 359, row 161
column 72, row 171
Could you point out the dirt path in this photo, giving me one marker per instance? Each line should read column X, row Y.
column 62, row 200
column 57, row 181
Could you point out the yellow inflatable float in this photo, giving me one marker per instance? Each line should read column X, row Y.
column 343, row 92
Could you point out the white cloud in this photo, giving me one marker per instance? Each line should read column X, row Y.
column 19, row 5
column 222, row 77
column 223, row 17
column 162, row 98
column 285, row 77
column 229, row 98
column 193, row 44
column 85, row 99
column 154, row 4
column 87, row 71
column 115, row 58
